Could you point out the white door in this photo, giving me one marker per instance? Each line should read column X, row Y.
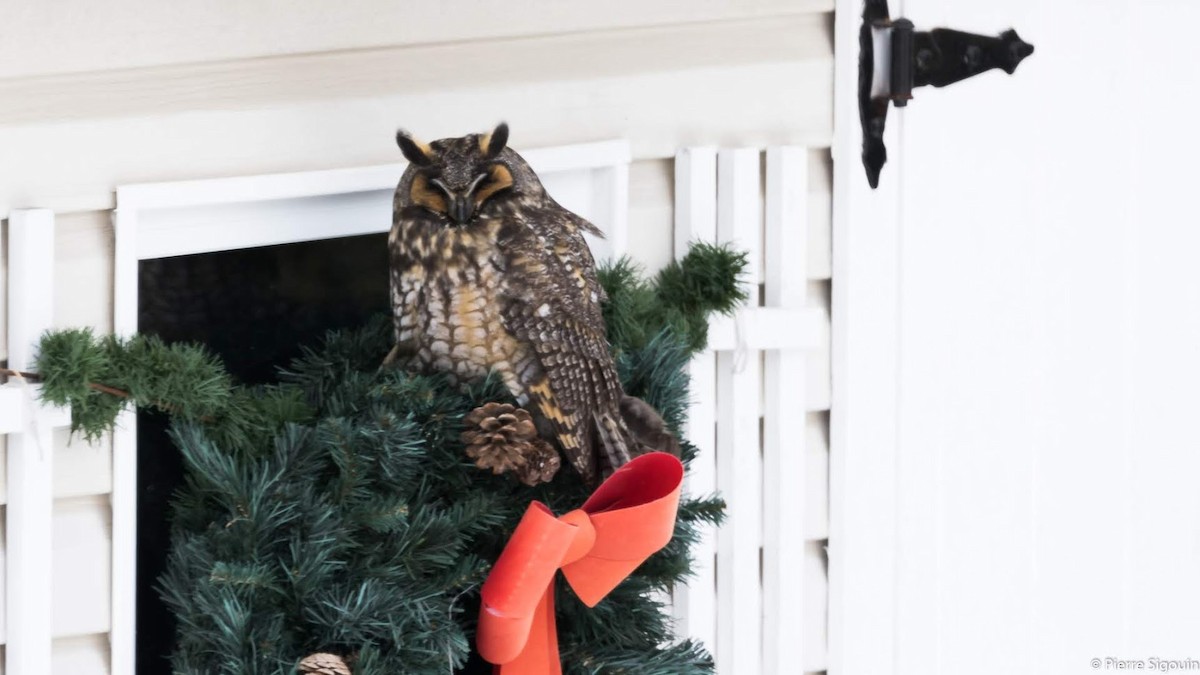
column 1016, row 459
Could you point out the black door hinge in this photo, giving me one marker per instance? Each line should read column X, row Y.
column 915, row 59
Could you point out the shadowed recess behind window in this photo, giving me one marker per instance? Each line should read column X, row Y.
column 255, row 308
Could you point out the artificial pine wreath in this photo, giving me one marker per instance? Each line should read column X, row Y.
column 338, row 515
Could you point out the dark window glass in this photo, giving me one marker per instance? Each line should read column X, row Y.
column 255, row 308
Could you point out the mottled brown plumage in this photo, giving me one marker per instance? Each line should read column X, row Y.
column 489, row 273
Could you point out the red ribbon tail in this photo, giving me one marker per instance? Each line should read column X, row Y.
column 540, row 656
column 629, row 517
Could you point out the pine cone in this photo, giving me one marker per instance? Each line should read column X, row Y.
column 541, row 464
column 502, row 438
column 323, row 664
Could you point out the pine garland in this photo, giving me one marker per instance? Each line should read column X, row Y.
column 680, row 299
column 337, row 512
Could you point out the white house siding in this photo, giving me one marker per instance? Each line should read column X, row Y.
column 93, row 97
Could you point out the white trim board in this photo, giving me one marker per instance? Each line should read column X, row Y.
column 160, row 220
column 865, row 373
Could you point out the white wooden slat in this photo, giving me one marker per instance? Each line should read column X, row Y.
column 124, row 449
column 695, row 198
column 3, row 573
column 613, row 182
column 785, row 592
column 696, row 601
column 820, row 216
column 79, row 655
column 696, row 221
column 759, row 328
column 739, row 480
column 813, row 653
column 30, row 451
column 12, row 410
column 739, row 177
column 80, row 562
column 81, row 469
column 816, row 486
column 30, row 282
column 81, row 567
column 786, row 227
column 739, row 458
column 819, row 388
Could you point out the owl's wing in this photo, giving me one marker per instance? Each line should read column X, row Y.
column 552, row 303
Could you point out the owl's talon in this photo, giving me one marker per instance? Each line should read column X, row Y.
column 391, row 357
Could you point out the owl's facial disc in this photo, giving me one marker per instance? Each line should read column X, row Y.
column 461, row 203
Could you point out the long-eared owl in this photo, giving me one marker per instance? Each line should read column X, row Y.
column 490, row 274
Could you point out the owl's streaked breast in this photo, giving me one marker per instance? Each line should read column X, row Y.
column 447, row 286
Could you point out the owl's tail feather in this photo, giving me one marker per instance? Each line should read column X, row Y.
column 647, row 427
column 617, row 445
column 635, row 429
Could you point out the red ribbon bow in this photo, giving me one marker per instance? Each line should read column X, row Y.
column 626, row 520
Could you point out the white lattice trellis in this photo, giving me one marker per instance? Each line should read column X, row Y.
column 758, row 597
column 29, row 428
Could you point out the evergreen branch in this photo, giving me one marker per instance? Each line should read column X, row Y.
column 679, row 299
column 99, row 376
column 102, row 388
column 113, row 391
column 37, row 377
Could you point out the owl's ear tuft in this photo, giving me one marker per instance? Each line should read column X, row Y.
column 414, row 151
column 493, row 143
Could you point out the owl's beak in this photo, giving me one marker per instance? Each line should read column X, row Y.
column 461, row 204
column 461, row 208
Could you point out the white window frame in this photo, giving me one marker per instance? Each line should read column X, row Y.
column 202, row 216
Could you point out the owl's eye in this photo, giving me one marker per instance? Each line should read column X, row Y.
column 437, row 182
column 496, row 179
column 426, row 193
column 475, row 183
